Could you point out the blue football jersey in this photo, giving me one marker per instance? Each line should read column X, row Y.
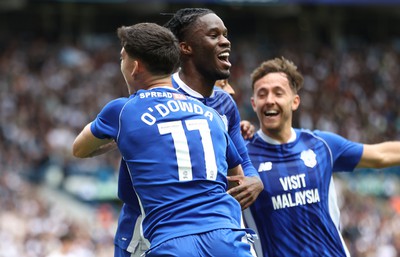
column 296, row 214
column 224, row 104
column 177, row 154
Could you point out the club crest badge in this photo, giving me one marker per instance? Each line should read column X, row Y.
column 309, row 158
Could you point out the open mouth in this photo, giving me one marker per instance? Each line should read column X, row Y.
column 271, row 113
column 224, row 57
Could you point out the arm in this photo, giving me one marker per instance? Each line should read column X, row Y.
column 236, row 171
column 250, row 185
column 98, row 136
column 87, row 145
column 380, row 155
column 244, row 189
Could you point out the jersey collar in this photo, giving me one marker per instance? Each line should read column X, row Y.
column 186, row 88
column 272, row 141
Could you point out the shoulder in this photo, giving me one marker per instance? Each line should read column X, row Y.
column 119, row 102
column 327, row 135
column 336, row 143
column 114, row 105
column 222, row 95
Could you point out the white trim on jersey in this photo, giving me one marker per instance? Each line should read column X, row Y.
column 272, row 141
column 248, row 222
column 186, row 88
column 334, row 212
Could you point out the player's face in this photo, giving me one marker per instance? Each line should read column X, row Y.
column 210, row 47
column 274, row 102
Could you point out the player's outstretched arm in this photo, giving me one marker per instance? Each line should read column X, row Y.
column 381, row 155
column 87, row 145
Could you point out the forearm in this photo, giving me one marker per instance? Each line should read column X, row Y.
column 104, row 149
column 248, row 169
column 391, row 152
column 381, row 155
column 87, row 145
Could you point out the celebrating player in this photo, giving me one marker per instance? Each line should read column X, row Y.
column 176, row 150
column 205, row 51
column 296, row 214
column 204, row 59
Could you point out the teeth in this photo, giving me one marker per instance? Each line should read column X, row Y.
column 270, row 112
column 224, row 55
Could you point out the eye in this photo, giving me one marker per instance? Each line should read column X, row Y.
column 213, row 36
column 279, row 93
column 261, row 94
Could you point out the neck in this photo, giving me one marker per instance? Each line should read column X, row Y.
column 282, row 136
column 160, row 83
column 197, row 82
column 154, row 81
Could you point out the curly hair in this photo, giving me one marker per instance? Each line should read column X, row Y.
column 184, row 19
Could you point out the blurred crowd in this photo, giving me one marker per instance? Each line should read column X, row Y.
column 32, row 224
column 49, row 90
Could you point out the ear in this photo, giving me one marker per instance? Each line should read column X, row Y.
column 253, row 104
column 296, row 102
column 135, row 68
column 185, row 48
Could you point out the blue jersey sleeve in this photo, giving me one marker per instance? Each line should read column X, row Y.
column 106, row 124
column 345, row 153
column 232, row 155
column 236, row 136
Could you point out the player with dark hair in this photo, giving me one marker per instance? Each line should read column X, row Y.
column 202, row 63
column 205, row 51
column 176, row 150
column 297, row 214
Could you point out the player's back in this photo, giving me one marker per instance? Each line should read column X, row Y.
column 175, row 149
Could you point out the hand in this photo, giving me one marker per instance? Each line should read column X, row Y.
column 247, row 129
column 246, row 190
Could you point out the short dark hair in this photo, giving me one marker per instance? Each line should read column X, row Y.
column 154, row 45
column 279, row 65
column 183, row 19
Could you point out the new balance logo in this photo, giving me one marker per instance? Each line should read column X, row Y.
column 265, row 166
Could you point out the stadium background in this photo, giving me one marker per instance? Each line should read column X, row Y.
column 59, row 64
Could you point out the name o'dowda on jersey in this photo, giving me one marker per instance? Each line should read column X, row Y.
column 171, row 106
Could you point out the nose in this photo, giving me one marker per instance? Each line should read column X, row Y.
column 225, row 41
column 269, row 99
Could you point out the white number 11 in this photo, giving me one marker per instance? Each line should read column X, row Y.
column 175, row 128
